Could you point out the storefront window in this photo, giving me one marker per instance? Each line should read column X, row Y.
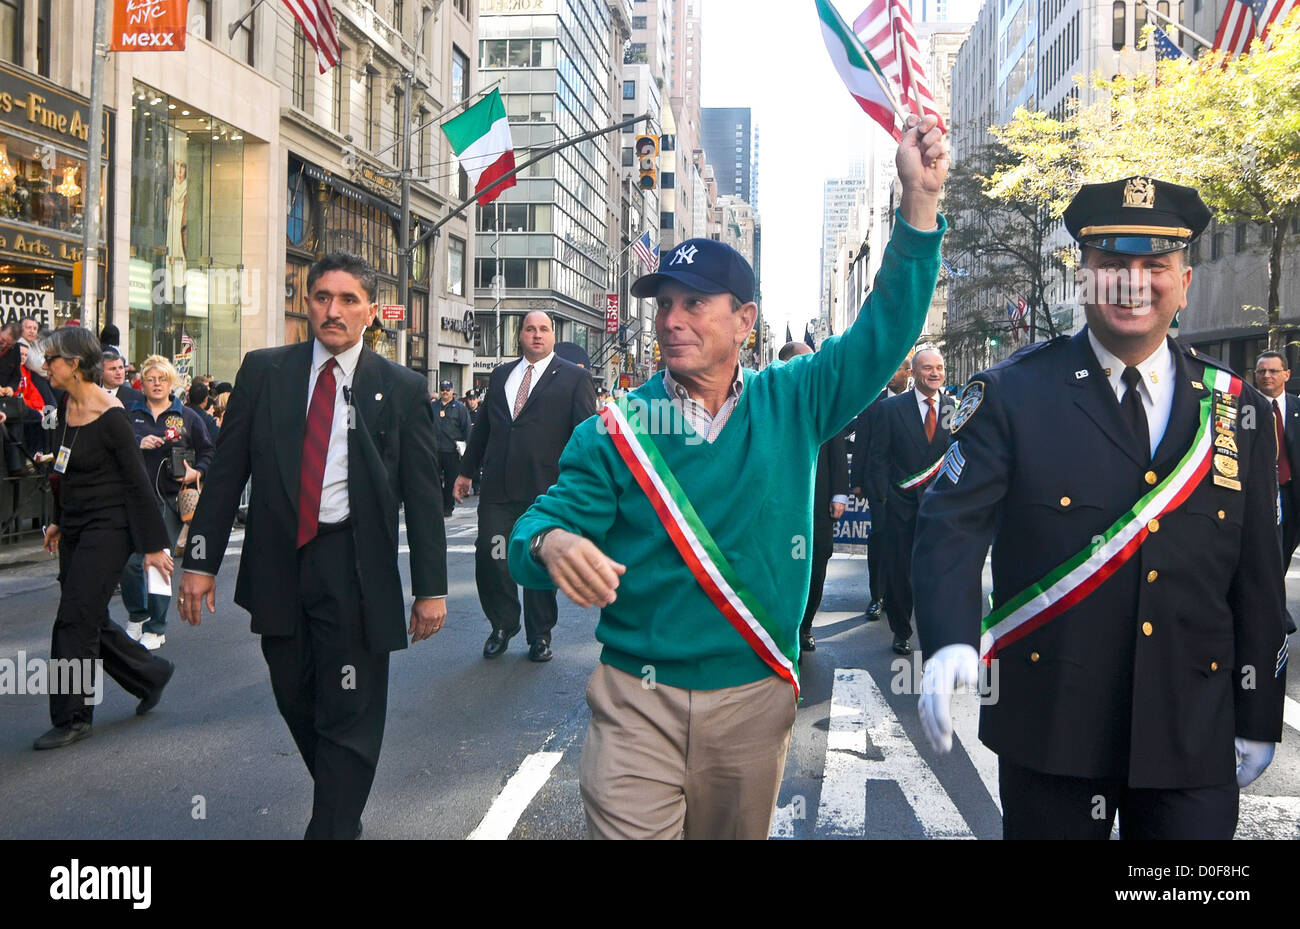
column 41, row 185
column 11, row 30
column 187, row 228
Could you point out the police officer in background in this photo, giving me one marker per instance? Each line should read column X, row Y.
column 1127, row 485
column 453, row 433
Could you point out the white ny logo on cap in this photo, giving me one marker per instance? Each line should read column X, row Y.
column 686, row 254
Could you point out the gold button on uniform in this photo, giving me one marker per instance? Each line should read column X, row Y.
column 1153, row 526
column 1065, row 501
column 1222, row 514
column 1034, row 656
column 1147, row 629
column 1150, row 477
column 1151, row 576
column 1214, row 666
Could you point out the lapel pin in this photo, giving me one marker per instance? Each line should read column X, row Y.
column 379, row 396
column 1080, row 375
column 1198, row 385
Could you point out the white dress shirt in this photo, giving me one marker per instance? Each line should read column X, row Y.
column 1157, row 385
column 334, row 486
column 516, row 377
column 925, row 407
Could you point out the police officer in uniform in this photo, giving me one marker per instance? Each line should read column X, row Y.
column 1127, row 485
column 453, row 433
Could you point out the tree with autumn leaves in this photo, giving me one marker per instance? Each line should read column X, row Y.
column 1230, row 128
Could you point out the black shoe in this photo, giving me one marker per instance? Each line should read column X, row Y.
column 540, row 651
column 60, row 736
column 902, row 646
column 447, row 511
column 873, row 611
column 149, row 701
column 496, row 643
column 806, row 642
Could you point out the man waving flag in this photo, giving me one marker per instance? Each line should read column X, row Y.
column 859, row 70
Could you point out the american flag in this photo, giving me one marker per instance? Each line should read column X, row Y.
column 317, row 21
column 1268, row 12
column 641, row 248
column 187, row 344
column 1236, row 29
column 1166, row 50
column 885, row 28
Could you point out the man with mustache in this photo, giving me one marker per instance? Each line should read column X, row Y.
column 685, row 513
column 1127, row 485
column 334, row 438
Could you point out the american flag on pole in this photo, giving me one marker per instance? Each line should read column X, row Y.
column 641, row 248
column 187, row 344
column 1236, row 29
column 317, row 22
column 1268, row 12
column 885, row 28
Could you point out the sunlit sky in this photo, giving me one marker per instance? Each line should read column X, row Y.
column 775, row 62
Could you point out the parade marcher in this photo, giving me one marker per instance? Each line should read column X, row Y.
column 103, row 509
column 858, row 478
column 1127, row 485
column 532, row 407
column 1271, row 376
column 710, row 464
column 453, row 422
column 334, row 438
column 474, row 403
column 177, row 453
column 830, row 497
column 908, row 439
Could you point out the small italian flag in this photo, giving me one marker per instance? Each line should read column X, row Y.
column 856, row 66
column 480, row 137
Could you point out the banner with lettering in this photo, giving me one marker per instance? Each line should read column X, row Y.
column 611, row 314
column 148, row 26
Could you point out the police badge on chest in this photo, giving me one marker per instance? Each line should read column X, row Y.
column 1225, row 463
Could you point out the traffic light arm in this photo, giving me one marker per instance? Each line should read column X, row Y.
column 460, row 207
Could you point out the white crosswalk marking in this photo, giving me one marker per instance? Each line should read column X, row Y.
column 516, row 795
column 1291, row 713
column 858, row 713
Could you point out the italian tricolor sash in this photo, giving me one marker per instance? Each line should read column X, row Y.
column 920, row 477
column 694, row 543
column 1071, row 582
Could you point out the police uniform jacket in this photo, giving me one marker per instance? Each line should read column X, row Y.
column 1150, row 677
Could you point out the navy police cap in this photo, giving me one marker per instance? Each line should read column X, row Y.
column 701, row 265
column 1136, row 216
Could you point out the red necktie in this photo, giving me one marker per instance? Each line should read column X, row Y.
column 315, row 447
column 931, row 423
column 1283, row 459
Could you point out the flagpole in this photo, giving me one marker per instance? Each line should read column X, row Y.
column 1180, row 27
column 872, row 67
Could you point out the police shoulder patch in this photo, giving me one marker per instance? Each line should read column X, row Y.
column 971, row 398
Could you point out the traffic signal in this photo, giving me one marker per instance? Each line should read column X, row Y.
column 647, row 159
column 656, row 352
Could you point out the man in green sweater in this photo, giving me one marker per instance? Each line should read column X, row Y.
column 685, row 513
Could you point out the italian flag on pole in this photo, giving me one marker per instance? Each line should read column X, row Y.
column 857, row 69
column 480, row 137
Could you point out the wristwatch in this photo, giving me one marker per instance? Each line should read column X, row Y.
column 535, row 546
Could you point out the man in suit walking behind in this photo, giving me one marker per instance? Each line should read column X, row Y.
column 334, row 438
column 1271, row 376
column 908, row 439
column 530, row 410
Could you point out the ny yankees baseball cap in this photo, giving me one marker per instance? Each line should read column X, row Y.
column 702, row 265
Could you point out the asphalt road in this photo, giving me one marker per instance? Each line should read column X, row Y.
column 488, row 748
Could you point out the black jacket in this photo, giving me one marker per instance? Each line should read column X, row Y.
column 1150, row 677
column 899, row 450
column 453, row 423
column 832, row 480
column 391, row 462
column 190, row 433
column 521, row 457
column 862, row 445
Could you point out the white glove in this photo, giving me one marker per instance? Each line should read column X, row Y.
column 460, row 449
column 1252, row 758
column 950, row 668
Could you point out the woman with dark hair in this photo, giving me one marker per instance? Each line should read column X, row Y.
column 103, row 510
column 109, row 335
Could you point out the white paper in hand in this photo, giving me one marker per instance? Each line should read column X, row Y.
column 154, row 584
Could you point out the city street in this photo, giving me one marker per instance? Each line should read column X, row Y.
column 489, row 749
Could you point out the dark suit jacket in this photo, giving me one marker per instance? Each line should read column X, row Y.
column 899, row 450
column 129, row 395
column 9, row 374
column 862, row 444
column 521, row 457
column 832, row 480
column 1291, row 427
column 390, row 462
column 1144, row 680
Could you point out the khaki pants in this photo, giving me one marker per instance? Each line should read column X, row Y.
column 663, row 762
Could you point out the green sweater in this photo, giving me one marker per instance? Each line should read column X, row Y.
column 752, row 487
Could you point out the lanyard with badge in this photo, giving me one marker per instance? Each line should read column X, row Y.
column 65, row 449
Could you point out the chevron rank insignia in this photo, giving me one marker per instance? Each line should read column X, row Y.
column 971, row 398
column 953, row 463
column 1281, row 658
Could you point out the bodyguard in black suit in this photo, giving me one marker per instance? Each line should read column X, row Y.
column 1271, row 376
column 830, row 496
column 319, row 571
column 908, row 439
column 860, row 484
column 531, row 409
column 1127, row 486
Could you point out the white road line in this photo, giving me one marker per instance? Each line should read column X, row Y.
column 516, row 795
column 859, row 711
column 1291, row 713
column 966, row 725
